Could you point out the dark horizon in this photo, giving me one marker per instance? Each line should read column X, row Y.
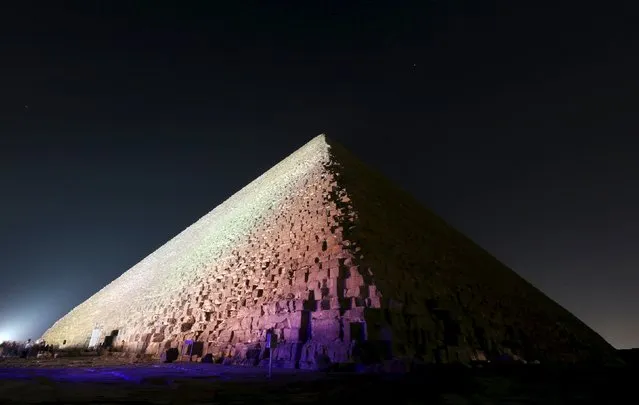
column 122, row 124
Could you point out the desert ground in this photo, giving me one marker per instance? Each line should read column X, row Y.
column 114, row 381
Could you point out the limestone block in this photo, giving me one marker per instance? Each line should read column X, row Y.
column 322, row 275
column 325, row 314
column 233, row 324
column 326, row 329
column 298, row 305
column 354, row 314
column 224, row 336
column 295, row 320
column 245, row 322
column 353, row 284
column 291, row 334
column 374, row 302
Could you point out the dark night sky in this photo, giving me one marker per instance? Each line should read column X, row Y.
column 517, row 124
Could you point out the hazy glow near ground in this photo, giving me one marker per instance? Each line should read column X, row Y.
column 9, row 333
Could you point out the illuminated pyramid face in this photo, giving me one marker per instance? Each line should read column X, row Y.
column 329, row 255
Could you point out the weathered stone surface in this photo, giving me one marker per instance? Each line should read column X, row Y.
column 333, row 258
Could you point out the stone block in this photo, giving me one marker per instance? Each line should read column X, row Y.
column 325, row 314
column 295, row 320
column 326, row 329
column 291, row 334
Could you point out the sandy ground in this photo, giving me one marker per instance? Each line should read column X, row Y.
column 94, row 380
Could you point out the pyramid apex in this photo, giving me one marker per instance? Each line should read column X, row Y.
column 323, row 139
column 320, row 138
column 318, row 142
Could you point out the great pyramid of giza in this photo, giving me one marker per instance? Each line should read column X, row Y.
column 339, row 263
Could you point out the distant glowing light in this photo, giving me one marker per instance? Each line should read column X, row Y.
column 11, row 331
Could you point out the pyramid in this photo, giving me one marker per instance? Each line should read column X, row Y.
column 340, row 265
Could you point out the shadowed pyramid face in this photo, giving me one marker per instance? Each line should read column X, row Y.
column 326, row 252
